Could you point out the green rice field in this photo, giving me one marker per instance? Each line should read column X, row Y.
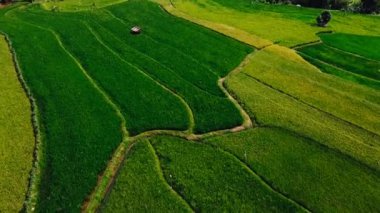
column 213, row 106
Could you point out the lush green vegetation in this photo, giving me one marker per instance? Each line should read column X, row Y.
column 117, row 78
column 75, row 5
column 80, row 130
column 351, row 57
column 273, row 107
column 346, row 61
column 128, row 55
column 366, row 46
column 97, row 85
column 16, row 135
column 283, row 70
column 283, row 24
column 213, row 180
column 330, row 69
column 79, row 125
column 319, row 178
column 141, row 186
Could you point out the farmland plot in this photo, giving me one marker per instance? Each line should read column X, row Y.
column 79, row 128
column 87, row 88
column 280, row 110
column 311, row 174
column 212, row 180
column 17, row 141
column 347, row 56
column 141, row 186
column 289, row 25
column 286, row 72
column 190, row 73
column 96, row 85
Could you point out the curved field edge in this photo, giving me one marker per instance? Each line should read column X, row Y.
column 282, row 20
column 17, row 131
column 304, row 170
column 45, row 123
column 109, row 177
column 234, row 74
column 141, row 167
column 350, row 49
column 278, row 109
column 206, row 114
column 75, row 63
column 201, row 168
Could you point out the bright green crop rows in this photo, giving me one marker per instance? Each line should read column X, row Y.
column 343, row 60
column 285, row 71
column 299, row 110
column 141, row 186
column 152, row 65
column 319, row 178
column 351, row 57
column 16, row 135
column 330, row 69
column 367, row 46
column 80, row 130
column 83, row 63
column 317, row 139
column 213, row 180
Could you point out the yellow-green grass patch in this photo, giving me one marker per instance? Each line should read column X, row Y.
column 277, row 23
column 16, row 135
column 285, row 71
column 271, row 107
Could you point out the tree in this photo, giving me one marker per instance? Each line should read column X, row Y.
column 370, row 6
column 324, row 18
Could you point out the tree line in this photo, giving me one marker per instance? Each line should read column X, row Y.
column 363, row 6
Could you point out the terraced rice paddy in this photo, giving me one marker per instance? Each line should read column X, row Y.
column 182, row 118
column 344, row 55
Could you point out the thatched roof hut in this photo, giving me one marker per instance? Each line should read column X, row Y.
column 136, row 30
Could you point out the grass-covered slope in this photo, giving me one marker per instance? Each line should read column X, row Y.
column 79, row 128
column 16, row 135
column 319, row 178
column 141, row 187
column 212, row 180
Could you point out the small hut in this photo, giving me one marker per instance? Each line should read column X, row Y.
column 136, row 30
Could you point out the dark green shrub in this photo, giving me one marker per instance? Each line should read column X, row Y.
column 324, row 18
